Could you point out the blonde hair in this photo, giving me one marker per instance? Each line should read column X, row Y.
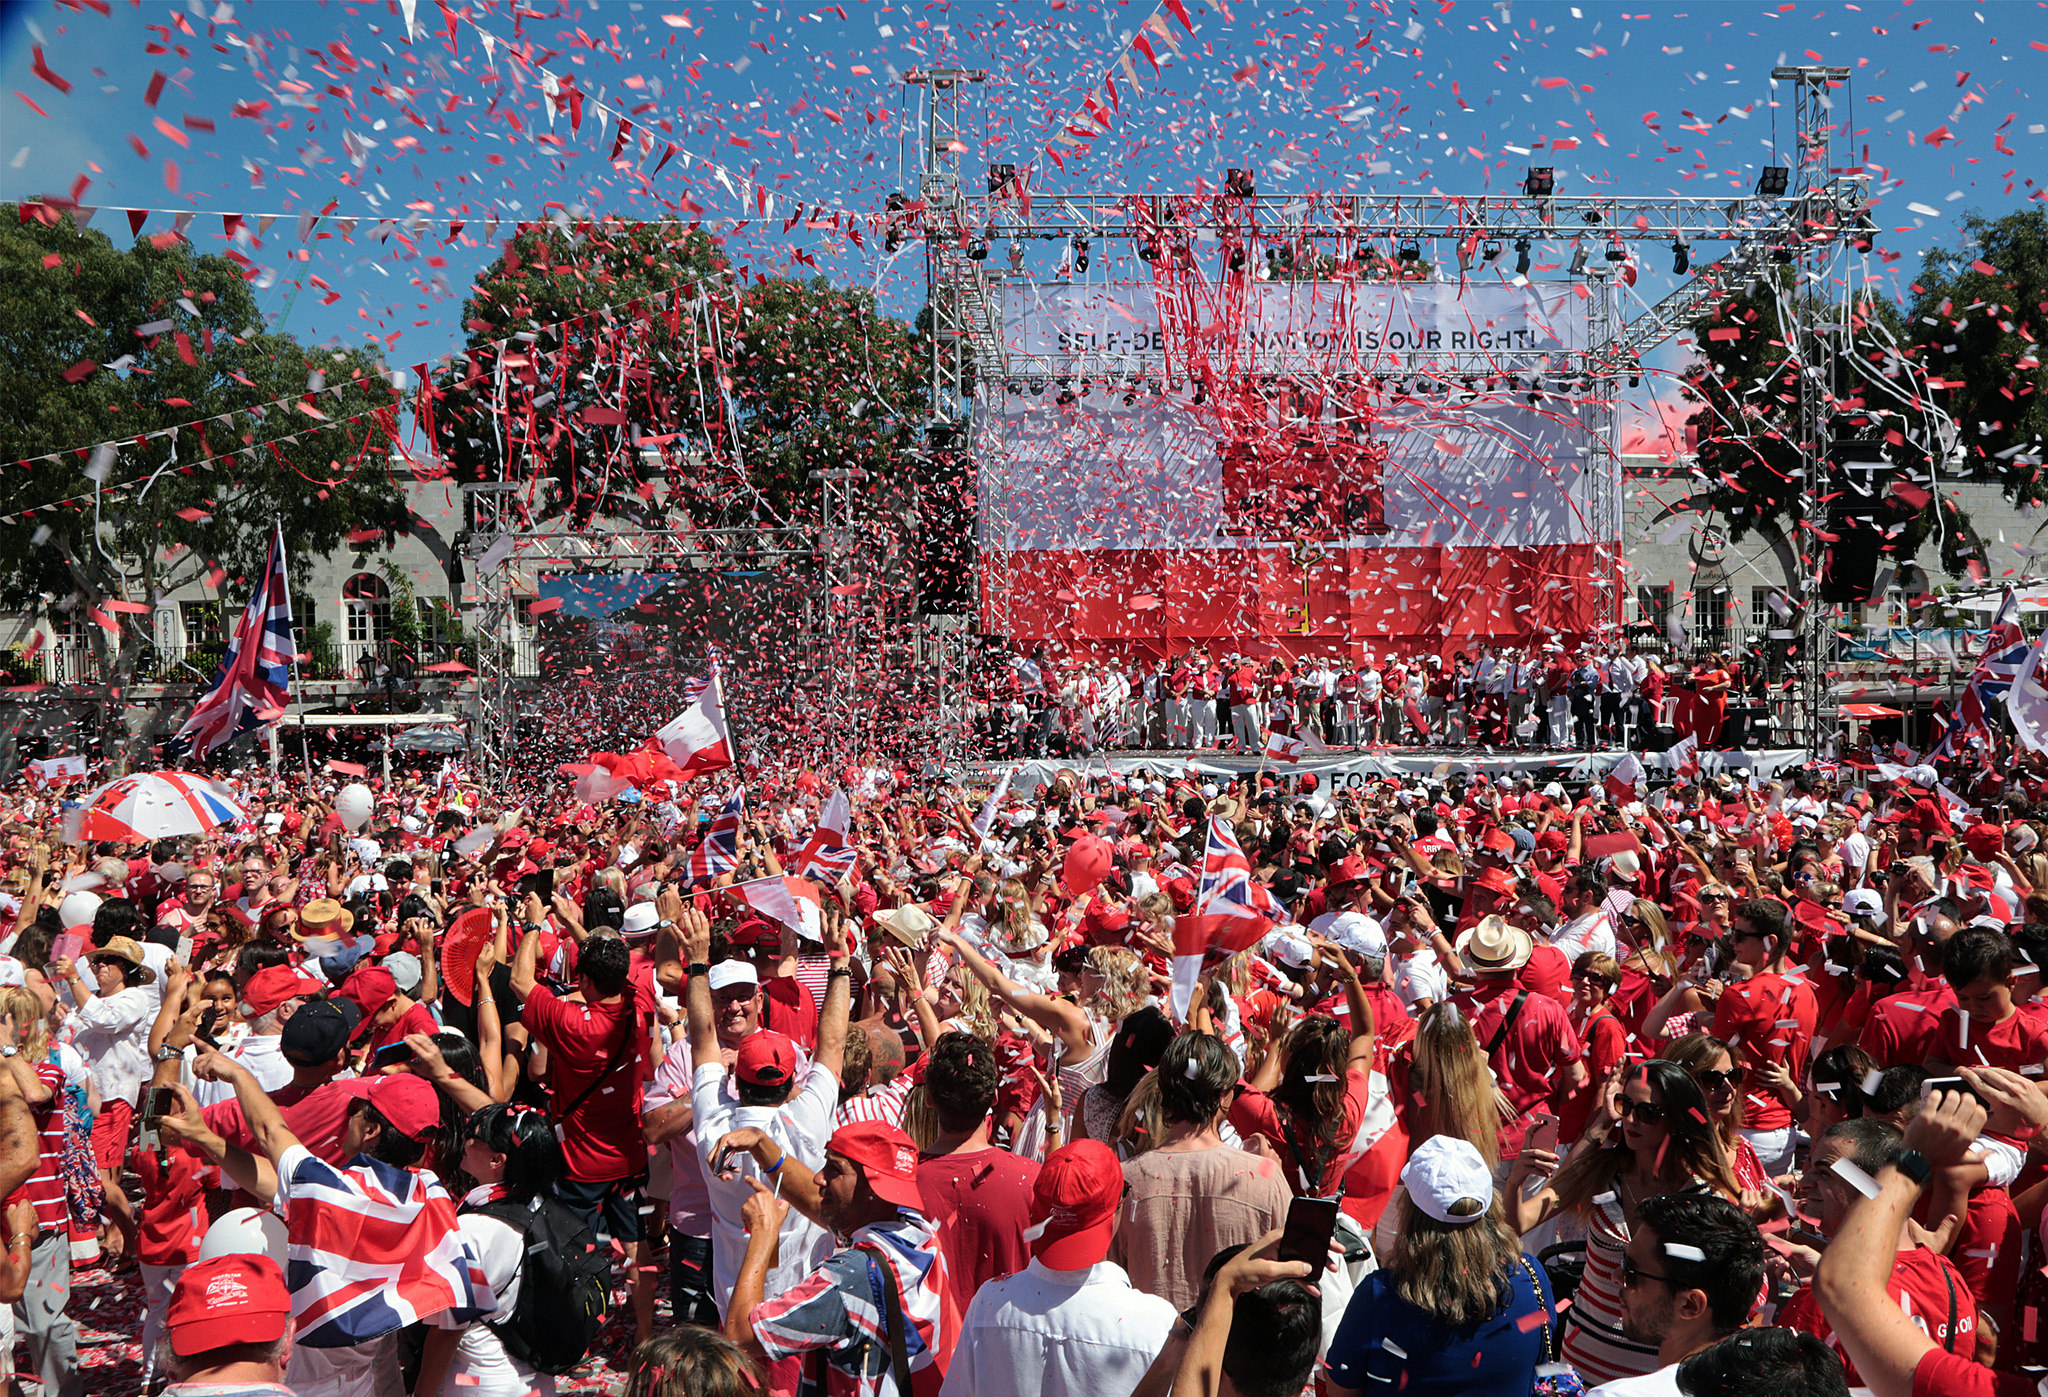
column 32, row 1030
column 920, row 1119
column 1653, row 920
column 1013, row 902
column 1125, row 981
column 1457, row 1273
column 1449, row 1072
column 1143, row 1120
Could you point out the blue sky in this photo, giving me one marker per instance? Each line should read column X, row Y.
column 285, row 106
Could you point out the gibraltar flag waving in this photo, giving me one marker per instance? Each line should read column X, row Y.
column 1231, row 913
column 698, row 741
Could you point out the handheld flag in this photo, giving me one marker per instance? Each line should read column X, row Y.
column 1282, row 748
column 720, row 851
column 698, row 741
column 253, row 684
column 1231, row 913
column 2005, row 650
column 2026, row 702
column 829, row 854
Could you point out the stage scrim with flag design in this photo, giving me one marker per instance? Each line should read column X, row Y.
column 1318, row 495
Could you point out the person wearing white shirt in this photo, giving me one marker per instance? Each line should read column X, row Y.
column 1070, row 1324
column 1370, row 686
column 763, row 1076
column 1698, row 1267
column 1590, row 927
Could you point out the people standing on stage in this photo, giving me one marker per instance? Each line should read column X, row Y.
column 1371, row 693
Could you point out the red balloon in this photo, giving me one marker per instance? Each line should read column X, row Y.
column 1087, row 865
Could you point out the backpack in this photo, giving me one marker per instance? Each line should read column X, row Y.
column 564, row 1290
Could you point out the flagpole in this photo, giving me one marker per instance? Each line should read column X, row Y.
column 298, row 689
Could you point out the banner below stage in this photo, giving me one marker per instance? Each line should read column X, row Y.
column 1339, row 770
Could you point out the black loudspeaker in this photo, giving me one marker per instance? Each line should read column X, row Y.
column 1858, row 513
column 945, row 525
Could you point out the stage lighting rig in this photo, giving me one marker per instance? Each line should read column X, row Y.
column 1772, row 183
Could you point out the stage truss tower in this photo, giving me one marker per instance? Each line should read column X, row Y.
column 1798, row 222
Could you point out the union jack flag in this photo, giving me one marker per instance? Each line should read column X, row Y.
column 2005, row 651
column 693, row 689
column 828, row 855
column 720, row 851
column 253, row 684
column 374, row 1248
column 1231, row 912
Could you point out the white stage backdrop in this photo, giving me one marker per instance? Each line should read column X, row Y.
column 1460, row 470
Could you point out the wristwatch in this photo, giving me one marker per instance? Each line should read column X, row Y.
column 1914, row 1166
column 168, row 1052
column 8, row 1049
column 696, row 967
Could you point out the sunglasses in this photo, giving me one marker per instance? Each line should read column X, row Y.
column 1716, row 1081
column 1645, row 1112
column 1632, row 1274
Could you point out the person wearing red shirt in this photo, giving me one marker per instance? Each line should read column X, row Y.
column 1594, row 977
column 1984, row 1028
column 978, row 1195
column 388, row 1012
column 1904, row 1027
column 597, row 1053
column 1769, row 1019
column 1923, row 1286
column 1528, row 1038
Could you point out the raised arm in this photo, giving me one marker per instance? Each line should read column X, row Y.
column 1066, row 1021
column 833, row 1014
column 697, row 1008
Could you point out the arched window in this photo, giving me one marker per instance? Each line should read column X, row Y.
column 366, row 606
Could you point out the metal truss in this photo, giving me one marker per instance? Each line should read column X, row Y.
column 1819, row 210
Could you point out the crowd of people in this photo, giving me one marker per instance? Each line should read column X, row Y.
column 1152, row 1084
column 1496, row 697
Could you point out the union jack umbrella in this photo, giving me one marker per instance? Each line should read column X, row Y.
column 158, row 804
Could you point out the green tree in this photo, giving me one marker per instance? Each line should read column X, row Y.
column 587, row 340
column 1978, row 316
column 1752, row 456
column 100, row 345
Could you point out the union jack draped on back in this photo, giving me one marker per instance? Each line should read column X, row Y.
column 828, row 855
column 720, row 851
column 373, row 1249
column 253, row 683
column 1231, row 912
column 2005, row 650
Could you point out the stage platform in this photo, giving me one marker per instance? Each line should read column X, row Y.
column 1353, row 766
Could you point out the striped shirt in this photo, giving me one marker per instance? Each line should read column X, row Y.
column 45, row 1188
column 884, row 1104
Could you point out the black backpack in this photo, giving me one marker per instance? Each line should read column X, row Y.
column 564, row 1289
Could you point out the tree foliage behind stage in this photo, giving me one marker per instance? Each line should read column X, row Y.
column 99, row 343
column 1951, row 384
column 587, row 340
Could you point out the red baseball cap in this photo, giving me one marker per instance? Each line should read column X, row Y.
column 236, row 1299
column 886, row 1156
column 272, row 986
column 370, row 989
column 766, row 1059
column 1074, row 1203
column 408, row 1102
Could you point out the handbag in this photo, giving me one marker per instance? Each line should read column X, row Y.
column 1554, row 1377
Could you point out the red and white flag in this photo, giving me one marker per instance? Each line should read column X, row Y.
column 794, row 902
column 55, row 771
column 1625, row 782
column 698, row 741
column 1231, row 913
column 1282, row 748
column 1684, row 756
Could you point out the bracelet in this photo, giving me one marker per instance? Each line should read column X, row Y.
column 776, row 1167
column 838, row 970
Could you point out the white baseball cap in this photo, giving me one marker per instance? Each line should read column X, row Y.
column 1862, row 902
column 1447, row 1172
column 1358, row 933
column 732, row 972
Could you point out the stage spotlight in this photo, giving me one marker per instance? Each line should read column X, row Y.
column 978, row 252
column 1681, row 259
column 1521, row 257
column 1037, row 387
column 1016, row 257
column 1016, row 389
column 1147, row 251
column 1200, row 396
column 1771, row 184
column 1784, row 256
column 1236, row 257
column 1410, row 250
column 1635, row 380
column 1490, row 249
column 1578, row 259
column 1540, row 182
column 1863, row 236
column 1617, row 251
column 1081, row 255
column 999, row 176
